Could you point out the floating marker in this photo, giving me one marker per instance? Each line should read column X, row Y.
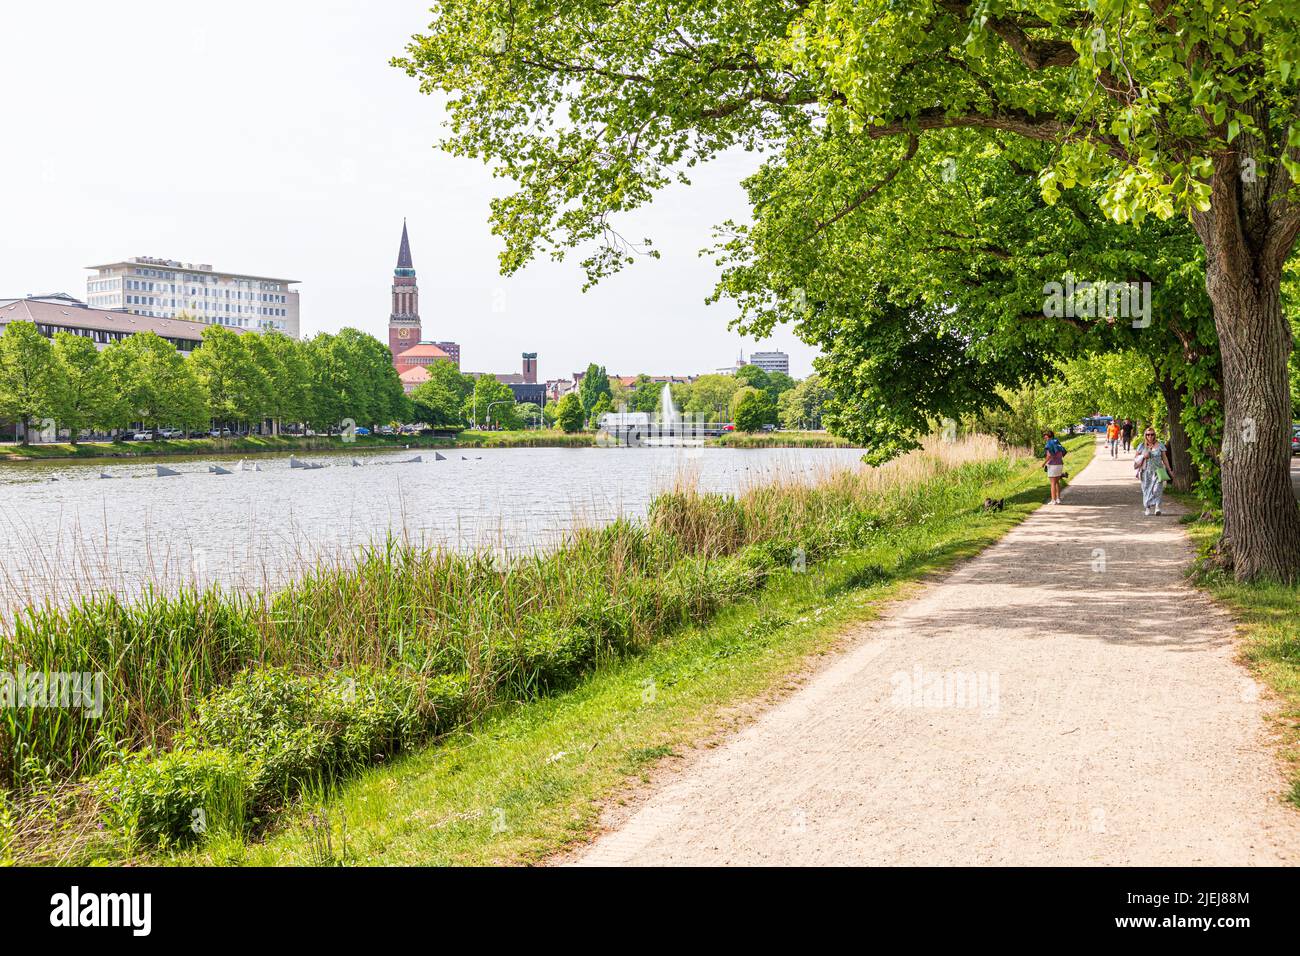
column 218, row 470
column 414, row 461
column 104, row 474
column 463, row 458
column 295, row 463
column 164, row 472
column 355, row 463
column 438, row 456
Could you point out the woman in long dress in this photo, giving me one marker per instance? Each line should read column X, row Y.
column 1149, row 458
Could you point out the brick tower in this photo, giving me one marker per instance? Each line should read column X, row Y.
column 404, row 321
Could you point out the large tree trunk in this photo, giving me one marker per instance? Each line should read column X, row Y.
column 1261, row 534
column 1180, row 445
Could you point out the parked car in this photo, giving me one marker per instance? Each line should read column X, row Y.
column 728, row 428
column 142, row 436
column 385, row 430
column 219, row 433
column 171, row 433
column 1295, row 440
column 362, row 431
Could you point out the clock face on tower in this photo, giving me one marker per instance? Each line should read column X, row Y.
column 403, row 333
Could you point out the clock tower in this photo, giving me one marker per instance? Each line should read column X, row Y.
column 404, row 321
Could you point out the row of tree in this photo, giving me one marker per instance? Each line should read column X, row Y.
column 930, row 170
column 249, row 380
column 751, row 398
column 261, row 380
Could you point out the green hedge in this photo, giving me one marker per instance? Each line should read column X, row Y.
column 264, row 738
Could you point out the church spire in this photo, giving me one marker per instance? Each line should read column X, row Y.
column 404, row 265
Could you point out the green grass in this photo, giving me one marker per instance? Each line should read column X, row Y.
column 241, row 695
column 547, row 438
column 1268, row 619
column 783, row 439
column 527, row 780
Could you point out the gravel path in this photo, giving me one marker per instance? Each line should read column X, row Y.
column 1064, row 698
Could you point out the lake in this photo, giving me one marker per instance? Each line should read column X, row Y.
column 65, row 530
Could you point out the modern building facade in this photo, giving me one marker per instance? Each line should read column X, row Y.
column 62, row 313
column 167, row 288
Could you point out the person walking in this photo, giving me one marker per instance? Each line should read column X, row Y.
column 1112, row 437
column 1151, row 464
column 1126, row 432
column 1053, row 464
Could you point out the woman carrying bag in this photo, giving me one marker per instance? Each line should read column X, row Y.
column 1151, row 463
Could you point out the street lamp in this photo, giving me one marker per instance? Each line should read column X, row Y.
column 500, row 401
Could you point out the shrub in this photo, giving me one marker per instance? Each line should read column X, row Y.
column 175, row 797
column 265, row 737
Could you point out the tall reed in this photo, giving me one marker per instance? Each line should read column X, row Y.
column 505, row 626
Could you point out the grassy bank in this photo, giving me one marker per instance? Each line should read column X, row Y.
column 221, row 710
column 550, row 438
column 784, row 439
column 1268, row 622
column 528, row 780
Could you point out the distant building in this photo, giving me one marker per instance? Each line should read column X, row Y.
column 733, row 369
column 62, row 313
column 414, row 377
column 524, row 384
column 453, row 351
column 409, row 350
column 557, row 388
column 404, row 320
column 528, row 392
column 771, row 361
column 413, row 364
column 166, row 288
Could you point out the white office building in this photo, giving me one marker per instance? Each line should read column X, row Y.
column 166, row 289
column 771, row 361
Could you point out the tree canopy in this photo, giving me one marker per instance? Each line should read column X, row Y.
column 1153, row 108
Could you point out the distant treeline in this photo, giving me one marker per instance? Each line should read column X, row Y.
column 247, row 379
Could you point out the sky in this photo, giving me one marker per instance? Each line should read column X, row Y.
column 274, row 138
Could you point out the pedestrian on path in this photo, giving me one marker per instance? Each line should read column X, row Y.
column 1126, row 432
column 1053, row 464
column 1112, row 437
column 1151, row 464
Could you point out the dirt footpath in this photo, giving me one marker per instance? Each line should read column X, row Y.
column 1064, row 698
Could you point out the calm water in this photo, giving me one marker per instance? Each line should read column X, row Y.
column 64, row 530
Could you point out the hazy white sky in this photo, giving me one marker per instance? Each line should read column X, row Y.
column 274, row 138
